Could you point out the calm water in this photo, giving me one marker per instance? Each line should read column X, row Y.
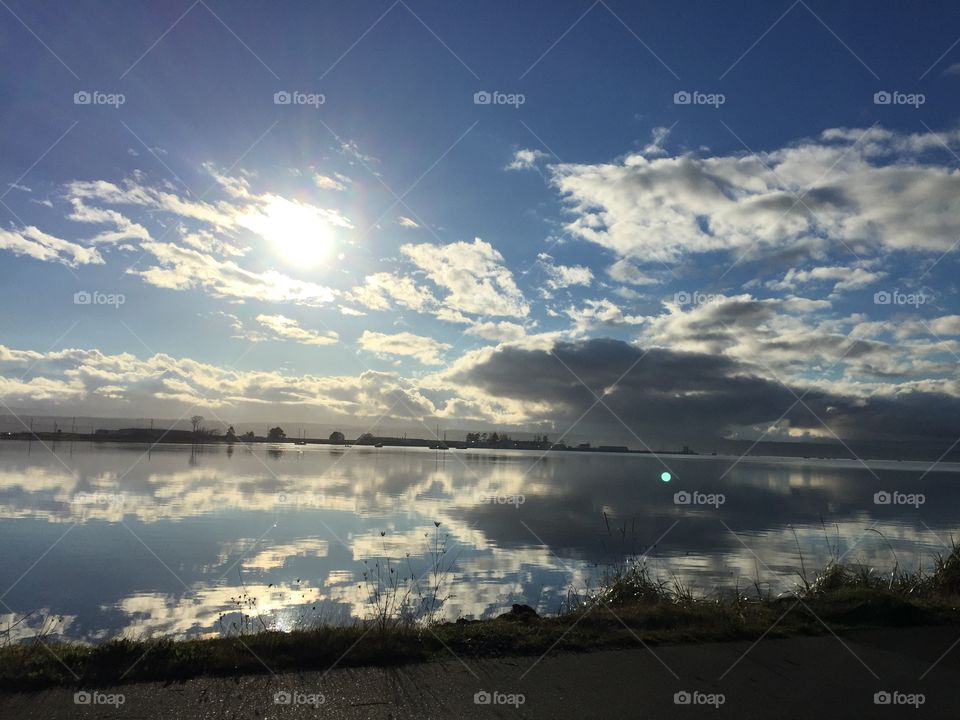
column 118, row 540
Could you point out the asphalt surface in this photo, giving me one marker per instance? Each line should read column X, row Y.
column 915, row 669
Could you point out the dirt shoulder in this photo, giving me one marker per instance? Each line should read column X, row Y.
column 802, row 677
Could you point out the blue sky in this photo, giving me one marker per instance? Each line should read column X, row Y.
column 400, row 253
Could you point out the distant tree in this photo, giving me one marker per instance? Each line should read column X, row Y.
column 248, row 436
column 196, row 421
column 276, row 434
column 365, row 439
column 493, row 438
column 231, row 434
column 337, row 437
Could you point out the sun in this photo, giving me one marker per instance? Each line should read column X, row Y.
column 299, row 233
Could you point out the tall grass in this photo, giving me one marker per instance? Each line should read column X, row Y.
column 414, row 595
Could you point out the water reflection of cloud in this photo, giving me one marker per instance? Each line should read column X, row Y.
column 557, row 539
column 16, row 627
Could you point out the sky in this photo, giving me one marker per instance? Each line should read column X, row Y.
column 657, row 223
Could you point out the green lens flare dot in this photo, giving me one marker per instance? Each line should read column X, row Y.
column 665, row 476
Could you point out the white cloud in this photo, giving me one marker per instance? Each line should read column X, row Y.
column 843, row 278
column 474, row 276
column 135, row 193
column 425, row 349
column 101, row 384
column 35, row 243
column 210, row 235
column 404, row 221
column 181, row 268
column 597, row 313
column 382, row 290
column 289, row 329
column 351, row 148
column 325, row 182
column 657, row 137
column 351, row 312
column 795, row 339
column 881, row 194
column 503, row 331
column 526, row 159
column 626, row 272
column 562, row 276
column 124, row 228
column 947, row 325
column 238, row 329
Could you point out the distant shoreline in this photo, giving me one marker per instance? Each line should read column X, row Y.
column 186, row 437
column 146, row 435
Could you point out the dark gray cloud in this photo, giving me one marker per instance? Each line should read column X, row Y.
column 669, row 397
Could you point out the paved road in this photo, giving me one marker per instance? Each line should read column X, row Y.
column 819, row 677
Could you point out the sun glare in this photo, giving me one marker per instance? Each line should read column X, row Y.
column 298, row 233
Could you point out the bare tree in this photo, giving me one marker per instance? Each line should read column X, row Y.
column 196, row 420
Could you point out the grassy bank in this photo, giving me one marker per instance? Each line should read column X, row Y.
column 630, row 606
